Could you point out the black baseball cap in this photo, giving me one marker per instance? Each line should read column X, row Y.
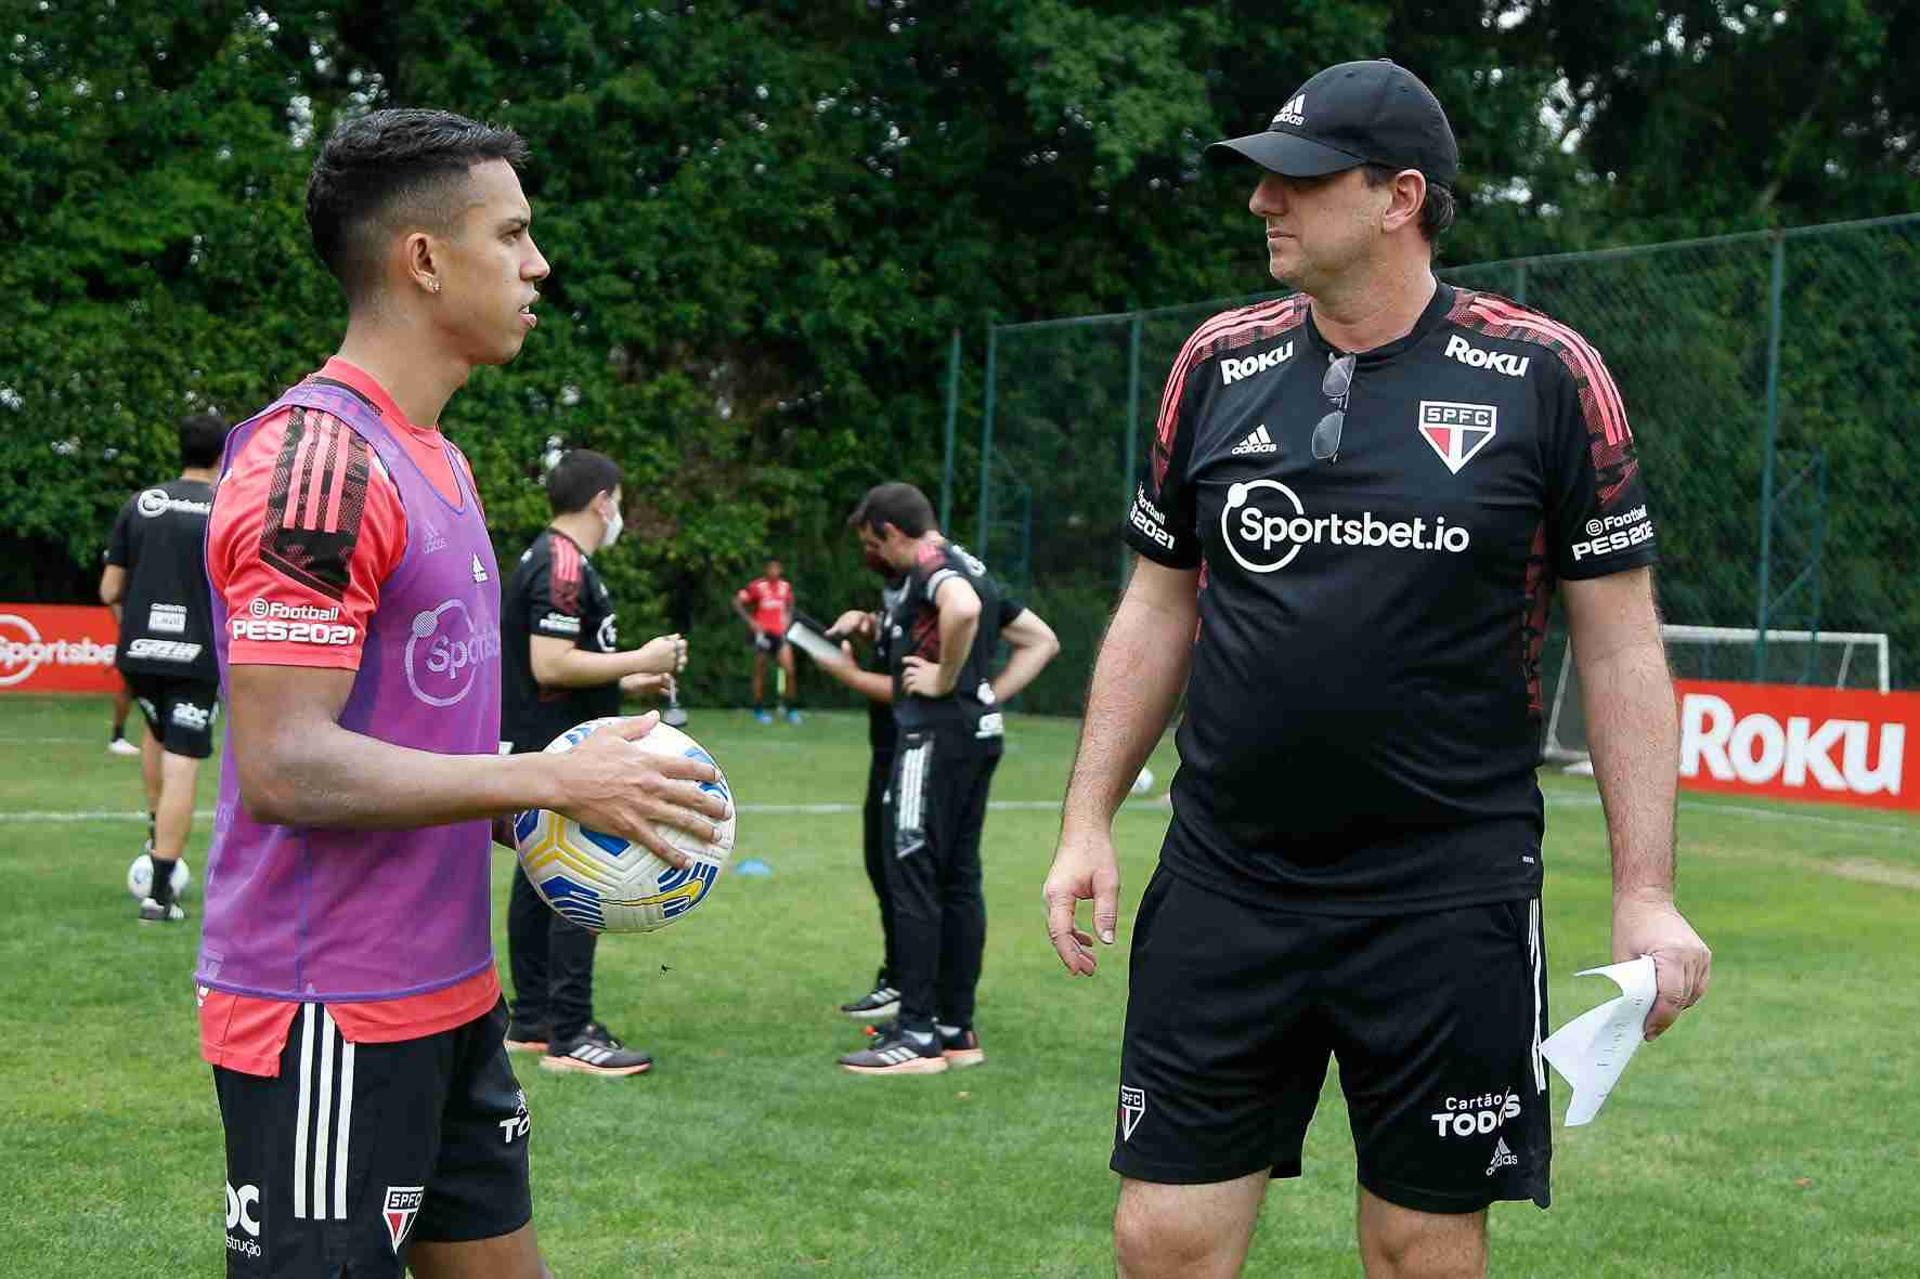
column 1352, row 114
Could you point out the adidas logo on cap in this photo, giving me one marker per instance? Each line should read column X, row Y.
column 1257, row 441
column 1295, row 112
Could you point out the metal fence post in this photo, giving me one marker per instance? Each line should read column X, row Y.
column 1133, row 430
column 986, row 435
column 1520, row 283
column 953, row 412
column 1778, row 284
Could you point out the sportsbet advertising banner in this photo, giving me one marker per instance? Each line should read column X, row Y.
column 57, row 648
column 1790, row 742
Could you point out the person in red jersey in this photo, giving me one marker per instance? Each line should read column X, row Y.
column 350, row 1006
column 1356, row 507
column 766, row 605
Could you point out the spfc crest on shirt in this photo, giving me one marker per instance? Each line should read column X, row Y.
column 1457, row 432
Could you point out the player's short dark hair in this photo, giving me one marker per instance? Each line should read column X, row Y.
column 389, row 168
column 202, row 437
column 578, row 477
column 896, row 503
column 1436, row 214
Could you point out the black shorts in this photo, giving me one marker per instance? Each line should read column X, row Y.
column 770, row 644
column 1435, row 1019
column 180, row 713
column 357, row 1150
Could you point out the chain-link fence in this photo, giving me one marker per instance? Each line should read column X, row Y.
column 1770, row 379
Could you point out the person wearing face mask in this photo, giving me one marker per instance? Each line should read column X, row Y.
column 563, row 666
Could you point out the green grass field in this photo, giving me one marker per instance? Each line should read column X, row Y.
column 1775, row 1133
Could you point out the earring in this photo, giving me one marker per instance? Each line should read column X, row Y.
column 436, row 286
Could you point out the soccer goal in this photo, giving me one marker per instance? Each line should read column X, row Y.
column 1830, row 659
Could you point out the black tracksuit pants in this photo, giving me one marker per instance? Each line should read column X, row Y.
column 937, row 805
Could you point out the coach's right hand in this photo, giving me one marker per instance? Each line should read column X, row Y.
column 1084, row 867
column 609, row 784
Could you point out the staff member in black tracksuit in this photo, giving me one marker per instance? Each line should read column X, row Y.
column 156, row 577
column 942, row 634
column 562, row 666
column 883, row 1001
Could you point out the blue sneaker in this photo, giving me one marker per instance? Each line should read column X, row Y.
column 763, row 717
column 793, row 717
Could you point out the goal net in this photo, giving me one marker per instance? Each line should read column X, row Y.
column 1830, row 659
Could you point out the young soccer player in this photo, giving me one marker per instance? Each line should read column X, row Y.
column 350, row 1006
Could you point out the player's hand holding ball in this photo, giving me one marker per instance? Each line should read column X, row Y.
column 664, row 655
column 610, row 784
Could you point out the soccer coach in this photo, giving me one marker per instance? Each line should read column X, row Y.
column 1354, row 510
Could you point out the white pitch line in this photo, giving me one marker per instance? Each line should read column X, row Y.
column 1048, row 805
column 822, row 810
column 1051, row 805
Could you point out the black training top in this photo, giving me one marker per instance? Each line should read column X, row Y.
column 1363, row 713
column 554, row 591
column 166, row 614
column 912, row 629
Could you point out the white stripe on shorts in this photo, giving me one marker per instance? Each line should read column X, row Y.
column 300, row 1119
column 323, row 1112
column 1533, row 944
column 343, row 1126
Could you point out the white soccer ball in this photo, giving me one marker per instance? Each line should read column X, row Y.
column 140, row 877
column 606, row 884
column 1143, row 783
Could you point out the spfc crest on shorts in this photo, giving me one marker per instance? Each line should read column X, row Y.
column 1133, row 1104
column 402, row 1206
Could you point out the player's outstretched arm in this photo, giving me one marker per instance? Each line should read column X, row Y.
column 1634, row 733
column 298, row 767
column 562, row 663
column 1034, row 645
column 1137, row 679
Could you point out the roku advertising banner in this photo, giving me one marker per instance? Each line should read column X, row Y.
column 1842, row 746
column 57, row 648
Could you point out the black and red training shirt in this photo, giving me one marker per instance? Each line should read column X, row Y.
column 1363, row 712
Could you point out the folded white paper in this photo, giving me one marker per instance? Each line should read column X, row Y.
column 1592, row 1050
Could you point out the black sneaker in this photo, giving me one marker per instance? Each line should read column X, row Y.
column 878, row 1004
column 595, row 1051
column 153, row 912
column 526, row 1039
column 961, row 1046
column 896, row 1053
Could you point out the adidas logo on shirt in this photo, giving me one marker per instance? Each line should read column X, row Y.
column 1257, row 441
column 479, row 570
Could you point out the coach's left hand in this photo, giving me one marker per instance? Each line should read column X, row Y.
column 1650, row 924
